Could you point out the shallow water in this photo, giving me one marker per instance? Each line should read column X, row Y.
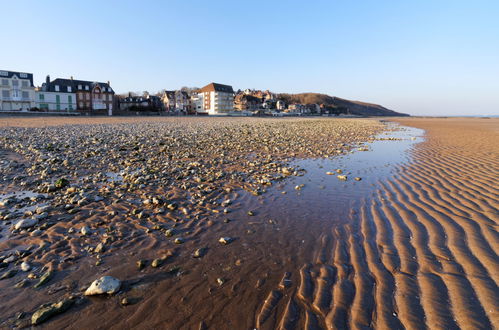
column 325, row 197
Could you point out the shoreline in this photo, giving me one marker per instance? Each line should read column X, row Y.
column 402, row 245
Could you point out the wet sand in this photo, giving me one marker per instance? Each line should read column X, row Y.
column 413, row 245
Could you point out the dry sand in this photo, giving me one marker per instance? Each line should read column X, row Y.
column 420, row 253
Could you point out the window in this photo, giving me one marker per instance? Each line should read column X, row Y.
column 4, row 73
column 5, row 94
column 42, row 97
column 15, row 93
column 25, row 84
column 58, row 99
column 5, row 82
column 25, row 95
column 56, row 88
column 79, row 87
column 70, row 99
column 23, row 75
column 86, row 88
column 80, row 104
column 69, row 89
column 86, row 96
column 15, row 83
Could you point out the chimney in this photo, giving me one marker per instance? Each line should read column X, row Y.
column 47, row 80
column 108, row 83
column 71, row 77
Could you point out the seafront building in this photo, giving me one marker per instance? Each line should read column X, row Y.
column 52, row 96
column 216, row 99
column 17, row 91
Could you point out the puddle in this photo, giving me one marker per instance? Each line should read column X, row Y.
column 324, row 197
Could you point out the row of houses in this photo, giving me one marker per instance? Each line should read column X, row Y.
column 18, row 93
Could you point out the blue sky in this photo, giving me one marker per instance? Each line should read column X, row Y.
column 437, row 57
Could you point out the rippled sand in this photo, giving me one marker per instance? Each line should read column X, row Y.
column 419, row 251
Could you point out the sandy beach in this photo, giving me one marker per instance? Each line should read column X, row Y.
column 328, row 223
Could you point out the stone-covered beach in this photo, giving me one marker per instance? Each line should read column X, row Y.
column 212, row 223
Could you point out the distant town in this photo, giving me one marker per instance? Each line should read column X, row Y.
column 74, row 96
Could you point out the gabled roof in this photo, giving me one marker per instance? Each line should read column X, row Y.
column 214, row 87
column 10, row 74
column 64, row 83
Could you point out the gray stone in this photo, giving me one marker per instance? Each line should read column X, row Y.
column 103, row 285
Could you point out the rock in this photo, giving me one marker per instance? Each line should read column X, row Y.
column 26, row 223
column 179, row 240
column 199, row 253
column 339, row 171
column 342, row 177
column 8, row 274
column 125, row 302
column 358, row 179
column 251, row 213
column 10, row 259
column 169, row 232
column 330, row 173
column 156, row 263
column 220, row 281
column 25, row 266
column 44, row 279
column 61, row 183
column 100, row 248
column 85, row 230
column 141, row 264
column 225, row 240
column 46, row 312
column 103, row 285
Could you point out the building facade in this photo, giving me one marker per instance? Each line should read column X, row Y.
column 90, row 96
column 55, row 97
column 17, row 91
column 216, row 99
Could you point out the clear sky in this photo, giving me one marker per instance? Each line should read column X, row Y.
column 431, row 57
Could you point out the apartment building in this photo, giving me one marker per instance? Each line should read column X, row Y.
column 17, row 91
column 216, row 99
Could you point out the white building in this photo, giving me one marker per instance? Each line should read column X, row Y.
column 216, row 99
column 55, row 97
column 17, row 91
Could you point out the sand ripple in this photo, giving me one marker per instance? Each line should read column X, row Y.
column 421, row 254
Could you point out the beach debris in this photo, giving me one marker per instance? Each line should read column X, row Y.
column 48, row 310
column 342, row 177
column 104, row 285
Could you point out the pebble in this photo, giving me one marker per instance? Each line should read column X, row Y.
column 25, row 223
column 225, row 240
column 25, row 266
